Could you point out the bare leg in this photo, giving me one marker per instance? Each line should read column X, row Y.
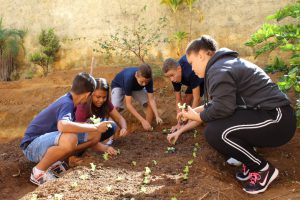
column 66, row 146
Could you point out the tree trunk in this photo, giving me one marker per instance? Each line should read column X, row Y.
column 7, row 66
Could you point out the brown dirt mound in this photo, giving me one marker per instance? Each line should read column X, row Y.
column 118, row 178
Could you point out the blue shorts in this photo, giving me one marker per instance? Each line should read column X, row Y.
column 83, row 137
column 36, row 150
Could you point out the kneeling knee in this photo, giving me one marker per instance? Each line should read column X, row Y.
column 213, row 135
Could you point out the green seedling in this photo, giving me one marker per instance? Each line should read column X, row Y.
column 58, row 196
column 119, row 178
column 105, row 156
column 133, row 163
column 34, row 197
column 194, row 154
column 170, row 150
column 143, row 189
column 154, row 162
column 74, row 185
column 146, row 180
column 93, row 166
column 165, row 131
column 108, row 188
column 182, row 107
column 109, row 125
column 197, row 145
column 147, row 171
column 190, row 162
column 84, row 177
column 96, row 120
column 118, row 152
column 186, row 171
column 174, row 198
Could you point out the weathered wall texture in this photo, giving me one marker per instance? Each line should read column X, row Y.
column 231, row 22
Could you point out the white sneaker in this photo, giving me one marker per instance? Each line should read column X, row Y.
column 58, row 168
column 41, row 178
column 234, row 162
column 110, row 142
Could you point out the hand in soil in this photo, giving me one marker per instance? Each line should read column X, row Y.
column 159, row 120
column 111, row 151
column 146, row 125
column 173, row 137
column 123, row 132
column 176, row 127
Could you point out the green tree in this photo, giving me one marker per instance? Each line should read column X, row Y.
column 285, row 38
column 11, row 41
column 47, row 54
column 135, row 41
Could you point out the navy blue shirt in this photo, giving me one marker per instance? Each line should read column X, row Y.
column 188, row 78
column 127, row 81
column 46, row 121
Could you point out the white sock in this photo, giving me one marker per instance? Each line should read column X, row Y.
column 265, row 168
column 37, row 171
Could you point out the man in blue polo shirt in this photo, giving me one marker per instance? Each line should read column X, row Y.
column 137, row 83
column 181, row 73
column 51, row 137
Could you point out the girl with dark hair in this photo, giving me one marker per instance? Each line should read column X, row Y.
column 243, row 109
column 99, row 105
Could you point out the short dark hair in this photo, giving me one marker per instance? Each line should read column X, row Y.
column 145, row 71
column 205, row 42
column 83, row 83
column 169, row 64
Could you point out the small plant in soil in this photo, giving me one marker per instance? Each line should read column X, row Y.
column 147, row 176
column 195, row 132
column 154, row 162
column 74, row 185
column 105, row 156
column 186, row 171
column 34, row 197
column 96, row 120
column 118, row 152
column 166, row 130
column 174, row 198
column 170, row 150
column 182, row 108
column 84, row 177
column 93, row 166
column 133, row 163
column 58, row 196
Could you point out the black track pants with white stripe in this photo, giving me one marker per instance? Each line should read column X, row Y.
column 235, row 136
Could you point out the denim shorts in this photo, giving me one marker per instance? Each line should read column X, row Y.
column 36, row 150
column 83, row 137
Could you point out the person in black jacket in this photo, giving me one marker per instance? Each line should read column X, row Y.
column 244, row 109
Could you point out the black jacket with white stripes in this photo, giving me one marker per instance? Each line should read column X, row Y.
column 232, row 83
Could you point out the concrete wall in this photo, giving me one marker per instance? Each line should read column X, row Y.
column 231, row 22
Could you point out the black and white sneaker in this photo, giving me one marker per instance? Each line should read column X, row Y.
column 59, row 168
column 243, row 175
column 259, row 181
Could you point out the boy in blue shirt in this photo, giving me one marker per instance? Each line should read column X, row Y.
column 137, row 83
column 51, row 137
column 181, row 73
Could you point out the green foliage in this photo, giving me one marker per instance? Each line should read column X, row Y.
column 190, row 3
column 135, row 41
column 179, row 38
column 278, row 65
column 47, row 53
column 173, row 4
column 286, row 38
column 11, row 41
